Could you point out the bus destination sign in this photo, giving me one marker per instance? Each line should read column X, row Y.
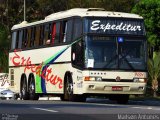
column 110, row 26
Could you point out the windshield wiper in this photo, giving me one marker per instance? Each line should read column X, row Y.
column 111, row 60
column 125, row 59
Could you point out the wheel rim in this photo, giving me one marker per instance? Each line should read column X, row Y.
column 69, row 88
column 31, row 88
column 23, row 89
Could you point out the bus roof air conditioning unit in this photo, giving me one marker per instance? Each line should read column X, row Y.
column 96, row 9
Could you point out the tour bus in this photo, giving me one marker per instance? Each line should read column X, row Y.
column 78, row 53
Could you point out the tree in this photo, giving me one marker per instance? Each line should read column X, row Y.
column 3, row 49
column 150, row 11
column 154, row 71
column 110, row 5
column 118, row 5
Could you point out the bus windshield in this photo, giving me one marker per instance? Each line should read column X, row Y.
column 121, row 53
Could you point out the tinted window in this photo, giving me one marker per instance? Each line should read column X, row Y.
column 77, row 32
column 41, row 35
column 57, row 38
column 53, row 33
column 20, row 39
column 14, row 35
column 33, row 29
column 69, row 30
column 24, row 41
column 17, row 40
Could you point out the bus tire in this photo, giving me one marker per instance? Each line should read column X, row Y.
column 15, row 97
column 24, row 92
column 122, row 99
column 68, row 89
column 31, row 89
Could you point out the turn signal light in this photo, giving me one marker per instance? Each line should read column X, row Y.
column 87, row 78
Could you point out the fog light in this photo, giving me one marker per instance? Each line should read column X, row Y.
column 91, row 86
column 141, row 88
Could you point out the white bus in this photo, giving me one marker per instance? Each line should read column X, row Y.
column 78, row 53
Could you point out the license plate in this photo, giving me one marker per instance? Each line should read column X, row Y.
column 117, row 88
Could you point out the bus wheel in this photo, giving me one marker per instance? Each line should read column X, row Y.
column 31, row 89
column 15, row 97
column 24, row 93
column 122, row 99
column 68, row 89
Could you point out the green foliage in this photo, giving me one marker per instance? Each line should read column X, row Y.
column 154, row 70
column 150, row 10
column 111, row 5
column 154, row 66
column 3, row 60
column 3, row 49
column 3, row 36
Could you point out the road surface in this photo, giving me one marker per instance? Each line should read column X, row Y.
column 93, row 109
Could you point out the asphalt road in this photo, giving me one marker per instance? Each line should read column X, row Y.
column 93, row 109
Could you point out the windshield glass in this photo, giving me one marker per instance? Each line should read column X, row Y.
column 115, row 53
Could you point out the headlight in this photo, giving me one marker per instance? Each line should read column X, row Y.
column 142, row 80
column 93, row 79
column 3, row 93
column 98, row 78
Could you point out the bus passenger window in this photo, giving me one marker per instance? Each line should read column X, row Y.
column 20, row 39
column 41, row 35
column 37, row 35
column 32, row 40
column 53, row 33
column 14, row 35
column 17, row 40
column 28, row 37
column 24, row 41
column 47, row 34
column 63, row 31
column 57, row 37
column 69, row 30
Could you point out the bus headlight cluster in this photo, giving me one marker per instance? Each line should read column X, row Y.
column 93, row 79
column 142, row 80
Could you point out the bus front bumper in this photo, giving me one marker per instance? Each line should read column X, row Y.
column 114, row 88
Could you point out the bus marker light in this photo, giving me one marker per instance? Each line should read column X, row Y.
column 120, row 39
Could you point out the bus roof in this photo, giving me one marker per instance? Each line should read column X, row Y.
column 81, row 12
